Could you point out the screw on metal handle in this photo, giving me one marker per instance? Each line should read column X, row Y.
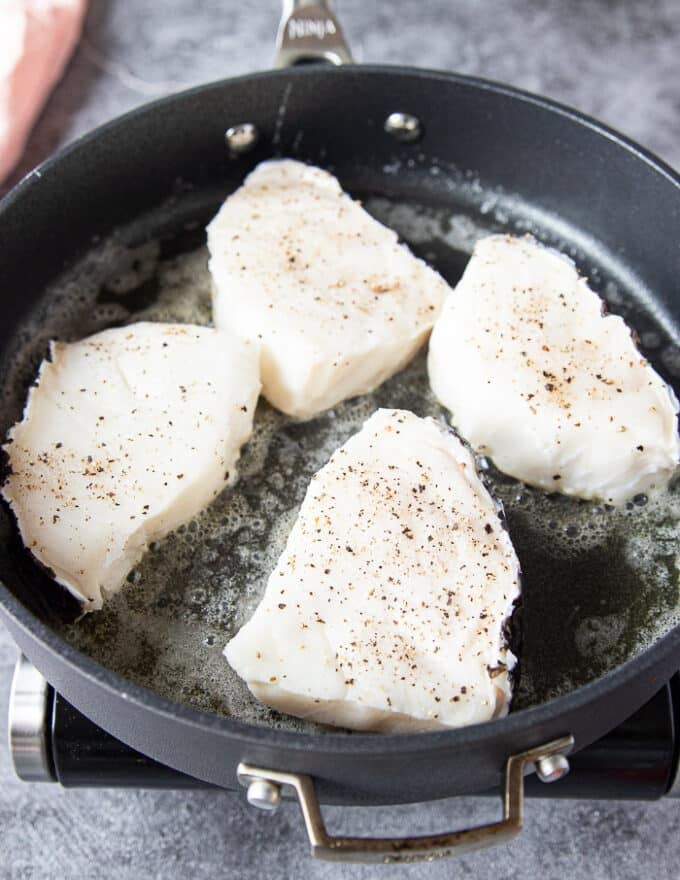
column 241, row 138
column 551, row 768
column 309, row 31
column 404, row 127
column 400, row 849
column 263, row 794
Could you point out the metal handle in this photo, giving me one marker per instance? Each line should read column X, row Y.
column 27, row 724
column 309, row 31
column 266, row 786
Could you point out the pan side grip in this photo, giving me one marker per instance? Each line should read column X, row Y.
column 265, row 788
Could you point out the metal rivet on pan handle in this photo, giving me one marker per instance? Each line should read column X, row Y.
column 263, row 794
column 404, row 127
column 241, row 138
column 402, row 849
column 310, row 31
column 552, row 768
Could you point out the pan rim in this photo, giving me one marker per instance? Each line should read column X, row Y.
column 479, row 83
column 335, row 743
column 338, row 744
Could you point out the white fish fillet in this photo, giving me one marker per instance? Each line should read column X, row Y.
column 537, row 378
column 126, row 435
column 386, row 610
column 36, row 41
column 337, row 304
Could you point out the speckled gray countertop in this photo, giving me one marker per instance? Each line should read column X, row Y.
column 616, row 60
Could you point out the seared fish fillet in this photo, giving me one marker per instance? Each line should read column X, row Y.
column 386, row 610
column 540, row 380
column 126, row 435
column 335, row 302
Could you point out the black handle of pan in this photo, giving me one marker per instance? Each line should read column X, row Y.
column 50, row 741
column 310, row 32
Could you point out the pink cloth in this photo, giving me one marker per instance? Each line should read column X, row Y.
column 37, row 38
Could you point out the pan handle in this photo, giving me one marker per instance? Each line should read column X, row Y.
column 309, row 31
column 265, row 787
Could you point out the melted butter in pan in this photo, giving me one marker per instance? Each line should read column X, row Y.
column 599, row 584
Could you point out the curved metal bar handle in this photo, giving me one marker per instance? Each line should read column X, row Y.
column 309, row 31
column 407, row 849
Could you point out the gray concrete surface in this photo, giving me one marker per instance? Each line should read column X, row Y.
column 614, row 59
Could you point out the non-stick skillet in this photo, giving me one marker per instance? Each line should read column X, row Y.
column 460, row 154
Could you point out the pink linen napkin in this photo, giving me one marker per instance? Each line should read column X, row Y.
column 37, row 38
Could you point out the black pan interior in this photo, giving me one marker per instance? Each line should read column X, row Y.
column 600, row 585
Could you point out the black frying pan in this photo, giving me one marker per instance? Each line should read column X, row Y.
column 476, row 157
